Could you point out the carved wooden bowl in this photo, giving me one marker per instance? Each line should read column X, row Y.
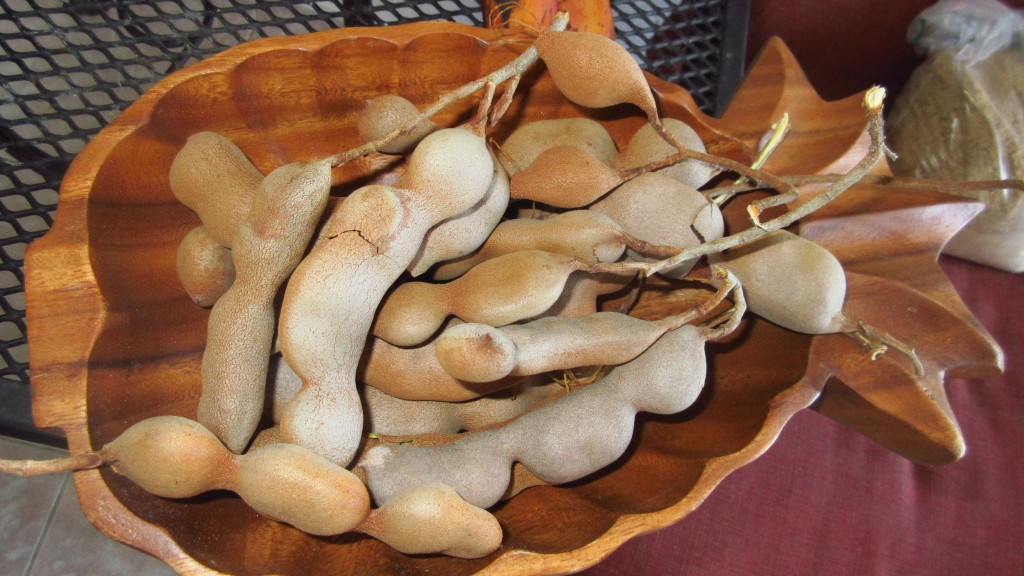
column 115, row 339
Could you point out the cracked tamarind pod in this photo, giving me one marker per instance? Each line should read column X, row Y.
column 204, row 267
column 530, row 140
column 385, row 114
column 554, row 343
column 240, row 332
column 461, row 235
column 330, row 301
column 660, row 210
column 648, row 146
column 217, row 181
column 564, row 440
column 499, row 291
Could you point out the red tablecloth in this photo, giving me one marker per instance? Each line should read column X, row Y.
column 825, row 500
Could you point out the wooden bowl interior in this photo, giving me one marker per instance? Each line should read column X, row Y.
column 290, row 104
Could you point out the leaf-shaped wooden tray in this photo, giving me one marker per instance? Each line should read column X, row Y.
column 115, row 339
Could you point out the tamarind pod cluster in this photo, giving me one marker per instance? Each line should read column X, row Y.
column 415, row 374
column 791, row 281
column 567, row 439
column 661, row 210
column 461, row 235
column 329, row 302
column 585, row 234
column 174, row 457
column 528, row 141
column 647, row 146
column 268, row 245
column 385, row 114
column 204, row 267
column 217, row 181
column 580, row 63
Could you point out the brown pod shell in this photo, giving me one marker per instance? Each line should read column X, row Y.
column 594, row 71
column 530, row 140
column 204, row 267
column 215, row 179
column 565, row 176
column 293, row 485
column 648, row 146
column 791, row 281
column 385, row 114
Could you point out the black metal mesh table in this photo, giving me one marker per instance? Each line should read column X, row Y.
column 69, row 67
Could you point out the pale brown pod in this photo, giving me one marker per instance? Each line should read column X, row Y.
column 432, row 518
column 648, row 146
column 564, row 176
column 461, row 235
column 240, row 332
column 204, row 267
column 661, row 210
column 387, row 113
column 594, row 71
column 215, row 179
column 528, row 141
column 791, row 281
column 585, row 234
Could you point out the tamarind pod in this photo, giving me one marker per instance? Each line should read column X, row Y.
column 391, row 416
column 585, row 234
column 565, row 177
column 582, row 291
column 433, row 519
column 329, row 303
column 204, row 267
column 461, row 235
column 268, row 245
column 217, row 181
column 415, row 374
column 647, row 146
column 530, row 140
column 594, row 71
column 293, row 485
column 385, row 114
column 791, row 281
column 660, row 210
column 500, row 291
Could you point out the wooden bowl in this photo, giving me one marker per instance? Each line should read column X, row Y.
column 115, row 339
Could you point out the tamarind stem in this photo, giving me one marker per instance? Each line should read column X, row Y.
column 878, row 341
column 716, row 330
column 873, row 103
column 778, row 133
column 514, row 68
column 71, row 463
column 506, row 100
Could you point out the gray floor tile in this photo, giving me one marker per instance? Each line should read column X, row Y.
column 25, row 505
column 73, row 547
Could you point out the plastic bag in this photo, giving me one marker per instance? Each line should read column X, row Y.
column 961, row 117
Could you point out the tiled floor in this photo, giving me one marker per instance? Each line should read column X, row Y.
column 44, row 532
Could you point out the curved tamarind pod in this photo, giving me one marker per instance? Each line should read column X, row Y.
column 593, row 71
column 792, row 282
column 660, row 210
column 556, row 343
column 582, row 292
column 528, row 141
column 648, row 146
column 392, row 416
column 433, row 518
column 267, row 246
column 565, row 440
column 204, row 267
column 585, row 234
column 217, row 181
column 330, row 301
column 461, row 235
column 499, row 291
column 385, row 114
column 564, row 176
column 415, row 374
